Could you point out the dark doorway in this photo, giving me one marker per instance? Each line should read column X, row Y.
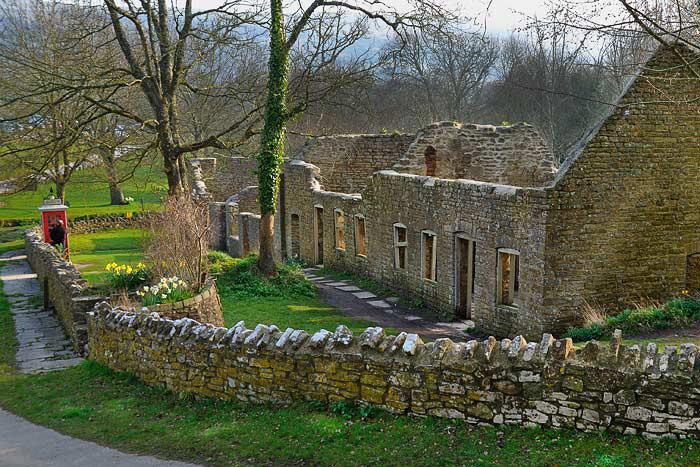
column 318, row 231
column 430, row 161
column 464, row 277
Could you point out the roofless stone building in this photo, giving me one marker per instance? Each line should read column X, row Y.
column 479, row 222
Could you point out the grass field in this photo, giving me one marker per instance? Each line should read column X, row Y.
column 92, row 252
column 88, row 193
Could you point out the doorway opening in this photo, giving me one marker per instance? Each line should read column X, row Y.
column 318, row 234
column 464, row 277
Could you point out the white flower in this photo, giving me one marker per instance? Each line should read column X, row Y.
column 163, row 296
column 174, row 286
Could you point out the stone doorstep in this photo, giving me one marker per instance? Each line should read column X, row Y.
column 349, row 288
column 379, row 304
column 364, row 295
column 338, row 284
column 412, row 318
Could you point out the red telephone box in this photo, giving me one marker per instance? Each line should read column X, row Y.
column 53, row 210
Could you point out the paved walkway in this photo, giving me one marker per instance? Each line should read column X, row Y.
column 353, row 301
column 24, row 444
column 43, row 345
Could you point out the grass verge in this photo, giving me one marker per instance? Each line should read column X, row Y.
column 288, row 300
column 8, row 342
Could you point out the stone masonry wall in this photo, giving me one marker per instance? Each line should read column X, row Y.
column 511, row 155
column 494, row 216
column 348, row 161
column 204, row 307
column 621, row 389
column 625, row 211
column 224, row 176
column 68, row 292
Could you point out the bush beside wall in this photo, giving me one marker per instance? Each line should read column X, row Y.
column 616, row 388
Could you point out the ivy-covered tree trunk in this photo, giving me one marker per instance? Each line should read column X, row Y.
column 272, row 139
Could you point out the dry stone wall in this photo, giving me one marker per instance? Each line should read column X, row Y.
column 621, row 389
column 217, row 178
column 348, row 161
column 510, row 155
column 68, row 292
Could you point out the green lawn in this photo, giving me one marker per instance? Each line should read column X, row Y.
column 92, row 252
column 298, row 312
column 88, row 193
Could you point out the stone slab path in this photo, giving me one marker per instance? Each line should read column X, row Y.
column 351, row 300
column 24, row 444
column 43, row 345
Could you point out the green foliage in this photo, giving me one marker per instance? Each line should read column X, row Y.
column 272, row 138
column 350, row 410
column 220, row 262
column 244, row 280
column 676, row 313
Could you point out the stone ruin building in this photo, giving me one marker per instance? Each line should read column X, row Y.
column 480, row 222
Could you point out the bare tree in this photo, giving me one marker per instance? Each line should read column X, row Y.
column 155, row 39
column 41, row 58
column 446, row 67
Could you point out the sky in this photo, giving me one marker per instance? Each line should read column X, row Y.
column 502, row 16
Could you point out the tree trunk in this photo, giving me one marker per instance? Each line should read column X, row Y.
column 172, row 170
column 116, row 196
column 61, row 189
column 266, row 258
column 272, row 138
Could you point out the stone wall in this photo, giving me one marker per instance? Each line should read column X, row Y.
column 625, row 211
column 68, row 292
column 348, row 161
column 511, row 155
column 493, row 216
column 204, row 307
column 97, row 223
column 616, row 388
column 222, row 176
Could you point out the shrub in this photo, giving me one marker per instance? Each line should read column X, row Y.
column 167, row 290
column 677, row 312
column 178, row 240
column 244, row 280
column 220, row 262
column 124, row 276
